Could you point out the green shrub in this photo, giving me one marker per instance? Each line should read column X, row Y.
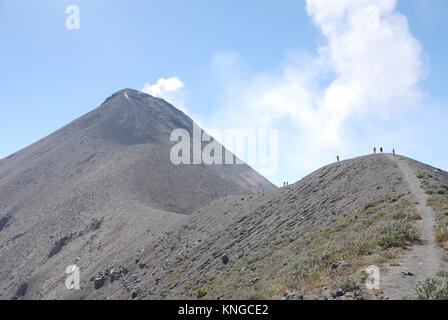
column 431, row 289
column 302, row 268
column 369, row 205
column 441, row 236
column 399, row 234
column 364, row 248
column 201, row 292
column 391, row 239
column 346, row 283
column 163, row 293
column 414, row 216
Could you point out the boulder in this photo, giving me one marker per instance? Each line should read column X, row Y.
column 291, row 295
column 340, row 266
column 225, row 259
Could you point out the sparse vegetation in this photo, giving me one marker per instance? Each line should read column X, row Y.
column 414, row 216
column 442, row 273
column 290, row 261
column 438, row 200
column 348, row 283
column 399, row 234
column 431, row 289
column 200, row 293
column 441, row 237
column 380, row 225
column 398, row 181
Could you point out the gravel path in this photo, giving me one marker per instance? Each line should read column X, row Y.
column 421, row 261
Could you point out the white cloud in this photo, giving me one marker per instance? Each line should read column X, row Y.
column 368, row 67
column 164, row 87
column 168, row 89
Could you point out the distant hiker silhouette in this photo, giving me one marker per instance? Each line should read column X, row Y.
column 374, row 149
column 337, row 157
column 381, row 149
column 393, row 151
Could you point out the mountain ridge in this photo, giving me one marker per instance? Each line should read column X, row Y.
column 102, row 183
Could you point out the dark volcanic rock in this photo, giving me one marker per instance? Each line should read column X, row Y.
column 58, row 245
column 21, row 291
column 290, row 295
column 99, row 281
column 4, row 221
column 340, row 266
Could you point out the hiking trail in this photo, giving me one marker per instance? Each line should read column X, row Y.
column 422, row 260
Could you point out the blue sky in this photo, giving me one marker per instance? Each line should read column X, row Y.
column 227, row 54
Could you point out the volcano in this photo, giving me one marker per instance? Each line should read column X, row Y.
column 100, row 184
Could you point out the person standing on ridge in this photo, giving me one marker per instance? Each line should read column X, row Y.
column 337, row 157
column 393, row 151
column 381, row 149
column 374, row 149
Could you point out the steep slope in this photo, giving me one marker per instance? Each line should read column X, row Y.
column 99, row 188
column 251, row 231
column 315, row 237
column 429, row 186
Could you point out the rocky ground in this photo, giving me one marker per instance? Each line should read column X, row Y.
column 311, row 240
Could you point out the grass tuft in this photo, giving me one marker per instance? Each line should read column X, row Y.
column 200, row 293
column 431, row 289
